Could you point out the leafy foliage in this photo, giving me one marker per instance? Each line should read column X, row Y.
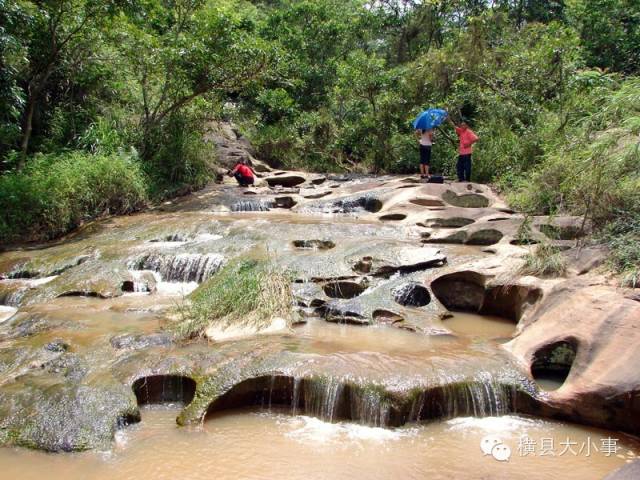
column 56, row 193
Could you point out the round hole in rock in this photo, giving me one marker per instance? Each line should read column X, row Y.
column 314, row 244
column 466, row 200
column 427, row 202
column 484, row 237
column 164, row 389
column 451, row 222
column 524, row 241
column 285, row 202
column 392, row 217
column 412, row 294
column 552, row 363
column 343, row 289
column 561, row 232
column 386, row 316
column 466, row 291
column 131, row 286
column 480, row 326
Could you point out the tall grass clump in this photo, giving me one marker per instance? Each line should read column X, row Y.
column 243, row 293
column 591, row 166
column 544, row 261
column 58, row 192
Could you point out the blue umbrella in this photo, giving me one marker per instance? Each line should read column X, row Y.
column 429, row 119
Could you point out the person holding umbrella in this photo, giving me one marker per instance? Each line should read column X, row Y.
column 467, row 138
column 424, row 126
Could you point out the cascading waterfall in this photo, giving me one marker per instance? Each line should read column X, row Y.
column 335, row 398
column 184, row 267
column 252, row 206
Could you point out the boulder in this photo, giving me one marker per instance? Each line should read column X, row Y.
column 603, row 383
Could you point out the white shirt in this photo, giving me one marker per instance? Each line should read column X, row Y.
column 425, row 138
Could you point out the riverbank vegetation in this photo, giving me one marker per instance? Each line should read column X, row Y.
column 551, row 88
column 245, row 293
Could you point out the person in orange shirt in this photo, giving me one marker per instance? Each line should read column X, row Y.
column 467, row 138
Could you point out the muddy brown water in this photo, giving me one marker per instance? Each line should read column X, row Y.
column 249, row 444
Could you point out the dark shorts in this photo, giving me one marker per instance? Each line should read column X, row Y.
column 243, row 181
column 425, row 154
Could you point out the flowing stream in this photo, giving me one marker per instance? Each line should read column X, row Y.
column 252, row 444
column 376, row 380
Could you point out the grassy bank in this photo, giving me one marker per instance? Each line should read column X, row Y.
column 57, row 193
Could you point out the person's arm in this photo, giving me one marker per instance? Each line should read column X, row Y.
column 418, row 133
column 235, row 169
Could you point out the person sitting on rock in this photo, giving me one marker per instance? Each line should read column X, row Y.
column 243, row 173
column 467, row 138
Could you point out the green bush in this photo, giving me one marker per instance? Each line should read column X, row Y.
column 245, row 292
column 177, row 161
column 544, row 260
column 56, row 193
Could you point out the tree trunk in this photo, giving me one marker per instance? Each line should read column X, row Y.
column 27, row 127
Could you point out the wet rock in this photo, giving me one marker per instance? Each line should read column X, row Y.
column 368, row 203
column 344, row 289
column 406, row 260
column 314, row 244
column 317, row 194
column 285, row 180
column 57, row 346
column 68, row 365
column 172, row 237
column 67, row 416
column 308, row 294
column 138, row 341
column 351, row 313
column 386, row 316
column 412, row 294
column 601, row 327
column 466, row 200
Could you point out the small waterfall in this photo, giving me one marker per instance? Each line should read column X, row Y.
column 252, row 206
column 335, row 398
column 322, row 398
column 184, row 267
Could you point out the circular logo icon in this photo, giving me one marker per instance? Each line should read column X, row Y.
column 488, row 442
column 501, row 452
